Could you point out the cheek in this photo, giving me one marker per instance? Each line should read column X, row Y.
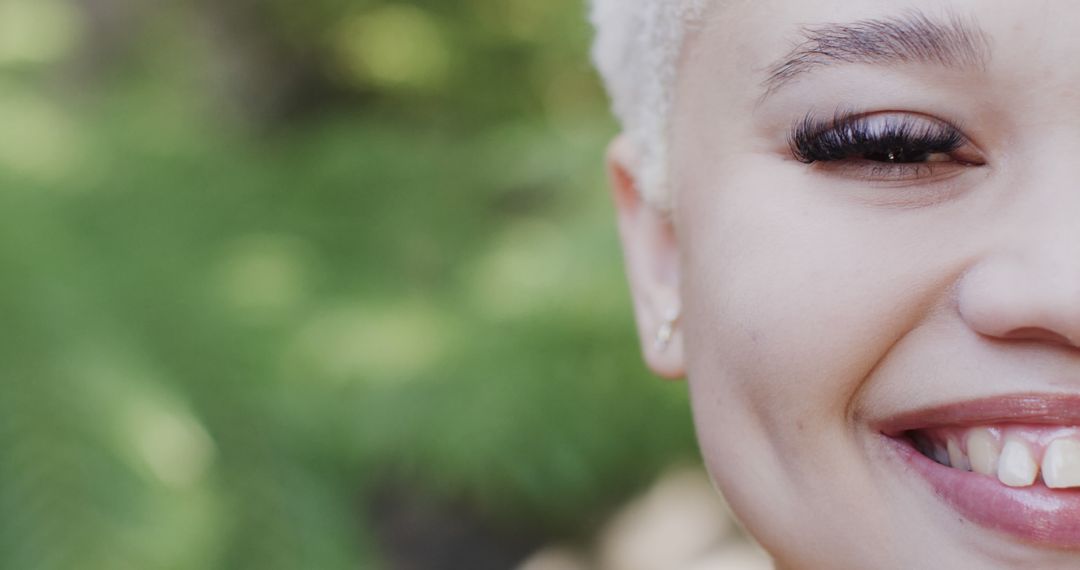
column 793, row 299
column 791, row 302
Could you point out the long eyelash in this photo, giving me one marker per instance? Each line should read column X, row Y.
column 849, row 135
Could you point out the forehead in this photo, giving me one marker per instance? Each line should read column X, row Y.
column 1030, row 43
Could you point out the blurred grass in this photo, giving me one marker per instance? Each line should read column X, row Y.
column 226, row 332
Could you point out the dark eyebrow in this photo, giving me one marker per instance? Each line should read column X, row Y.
column 911, row 37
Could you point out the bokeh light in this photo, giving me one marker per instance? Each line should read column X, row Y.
column 325, row 284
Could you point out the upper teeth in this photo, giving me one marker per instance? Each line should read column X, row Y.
column 1014, row 455
column 957, row 458
column 1017, row 466
column 1061, row 464
column 983, row 451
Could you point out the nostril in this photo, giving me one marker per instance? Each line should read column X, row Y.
column 1039, row 335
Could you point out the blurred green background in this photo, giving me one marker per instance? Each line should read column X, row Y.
column 323, row 284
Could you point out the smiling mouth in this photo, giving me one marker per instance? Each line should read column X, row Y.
column 1009, row 464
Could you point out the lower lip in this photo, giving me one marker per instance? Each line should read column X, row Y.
column 1048, row 517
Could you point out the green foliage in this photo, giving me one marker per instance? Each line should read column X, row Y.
column 221, row 339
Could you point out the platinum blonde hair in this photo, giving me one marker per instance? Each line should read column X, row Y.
column 636, row 50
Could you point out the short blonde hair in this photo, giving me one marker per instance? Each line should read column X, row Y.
column 636, row 50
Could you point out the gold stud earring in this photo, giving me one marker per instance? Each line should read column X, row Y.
column 667, row 329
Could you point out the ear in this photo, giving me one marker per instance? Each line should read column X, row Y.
column 650, row 248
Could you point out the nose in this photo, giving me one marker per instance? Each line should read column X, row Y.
column 1028, row 289
column 1017, row 299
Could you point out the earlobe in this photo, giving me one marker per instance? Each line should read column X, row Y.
column 650, row 248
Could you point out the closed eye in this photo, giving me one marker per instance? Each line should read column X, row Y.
column 891, row 145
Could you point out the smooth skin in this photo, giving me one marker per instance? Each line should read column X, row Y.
column 817, row 300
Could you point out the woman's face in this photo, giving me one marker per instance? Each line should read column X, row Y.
column 876, row 247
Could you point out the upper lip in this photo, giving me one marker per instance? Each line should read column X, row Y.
column 1033, row 408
